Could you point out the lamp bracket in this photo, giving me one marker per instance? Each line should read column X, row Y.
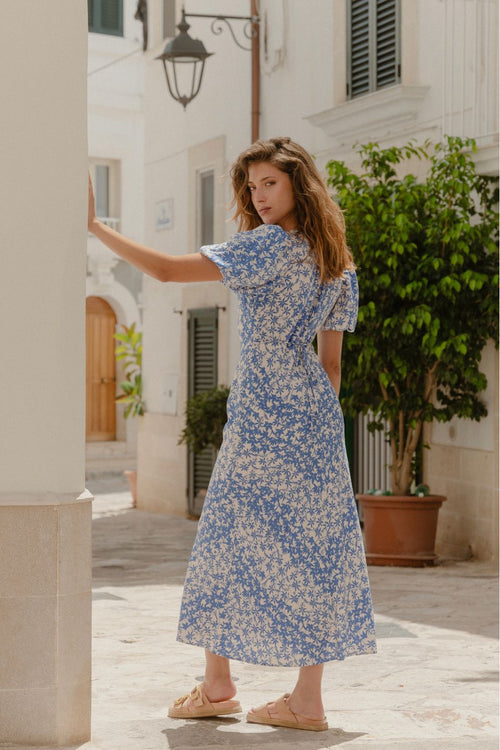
column 217, row 28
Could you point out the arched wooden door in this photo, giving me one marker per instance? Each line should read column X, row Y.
column 101, row 371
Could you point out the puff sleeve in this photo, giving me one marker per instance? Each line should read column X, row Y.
column 344, row 313
column 250, row 259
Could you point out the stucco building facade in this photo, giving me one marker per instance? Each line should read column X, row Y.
column 115, row 79
column 436, row 75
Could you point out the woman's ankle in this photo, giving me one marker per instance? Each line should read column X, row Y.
column 306, row 704
column 219, row 688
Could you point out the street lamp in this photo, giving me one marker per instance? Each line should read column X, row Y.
column 184, row 51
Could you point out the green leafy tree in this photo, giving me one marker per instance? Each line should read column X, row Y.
column 205, row 419
column 427, row 254
column 129, row 351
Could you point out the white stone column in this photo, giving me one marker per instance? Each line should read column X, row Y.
column 45, row 563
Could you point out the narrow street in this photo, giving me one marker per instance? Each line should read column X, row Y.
column 433, row 684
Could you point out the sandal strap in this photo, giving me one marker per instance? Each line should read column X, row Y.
column 196, row 696
column 283, row 705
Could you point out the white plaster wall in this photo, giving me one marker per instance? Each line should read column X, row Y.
column 42, row 236
column 115, row 112
column 116, row 132
column 450, row 67
column 302, row 93
column 297, row 77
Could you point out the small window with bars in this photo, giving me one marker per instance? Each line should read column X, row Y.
column 373, row 45
column 106, row 17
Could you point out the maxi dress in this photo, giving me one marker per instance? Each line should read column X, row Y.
column 277, row 575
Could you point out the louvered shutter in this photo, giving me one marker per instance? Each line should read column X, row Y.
column 106, row 17
column 373, row 50
column 111, row 15
column 202, row 375
column 387, row 47
column 359, row 47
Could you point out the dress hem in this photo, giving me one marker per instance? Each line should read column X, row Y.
column 304, row 662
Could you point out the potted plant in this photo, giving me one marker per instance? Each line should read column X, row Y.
column 129, row 351
column 205, row 419
column 428, row 258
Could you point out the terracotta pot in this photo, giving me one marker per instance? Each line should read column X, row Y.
column 132, row 482
column 400, row 529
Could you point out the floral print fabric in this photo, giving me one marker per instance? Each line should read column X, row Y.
column 277, row 575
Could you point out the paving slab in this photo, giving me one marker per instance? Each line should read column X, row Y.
column 433, row 685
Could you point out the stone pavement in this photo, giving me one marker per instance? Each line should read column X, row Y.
column 432, row 685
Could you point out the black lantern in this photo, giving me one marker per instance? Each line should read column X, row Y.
column 183, row 50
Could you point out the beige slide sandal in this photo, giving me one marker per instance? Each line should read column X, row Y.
column 195, row 705
column 285, row 717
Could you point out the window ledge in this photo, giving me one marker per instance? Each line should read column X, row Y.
column 375, row 115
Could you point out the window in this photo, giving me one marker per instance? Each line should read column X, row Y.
column 373, row 45
column 106, row 16
column 202, row 376
column 168, row 18
column 206, row 207
column 105, row 176
column 102, row 190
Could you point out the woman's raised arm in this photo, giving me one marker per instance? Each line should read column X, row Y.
column 161, row 266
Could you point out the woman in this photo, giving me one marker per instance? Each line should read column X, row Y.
column 277, row 574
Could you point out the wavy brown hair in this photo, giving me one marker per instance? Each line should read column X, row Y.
column 319, row 218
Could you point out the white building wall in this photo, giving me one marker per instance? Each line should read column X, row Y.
column 213, row 129
column 116, row 135
column 449, row 85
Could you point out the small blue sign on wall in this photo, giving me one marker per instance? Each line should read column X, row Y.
column 164, row 218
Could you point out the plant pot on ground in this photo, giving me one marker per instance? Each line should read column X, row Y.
column 427, row 253
column 400, row 529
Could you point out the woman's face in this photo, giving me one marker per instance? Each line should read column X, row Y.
column 272, row 195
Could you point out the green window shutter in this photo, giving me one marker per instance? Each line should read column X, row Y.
column 106, row 17
column 373, row 45
column 203, row 334
column 202, row 375
column 359, row 47
column 387, row 43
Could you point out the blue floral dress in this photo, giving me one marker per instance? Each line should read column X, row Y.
column 277, row 575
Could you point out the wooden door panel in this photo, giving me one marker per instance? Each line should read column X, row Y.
column 101, row 371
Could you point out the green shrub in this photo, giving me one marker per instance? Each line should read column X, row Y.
column 205, row 419
column 427, row 253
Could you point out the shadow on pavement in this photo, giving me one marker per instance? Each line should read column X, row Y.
column 217, row 732
column 456, row 595
column 135, row 548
